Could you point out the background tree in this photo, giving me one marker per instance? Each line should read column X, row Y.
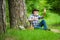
column 2, row 16
column 54, row 6
column 2, row 19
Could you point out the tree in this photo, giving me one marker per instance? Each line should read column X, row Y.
column 17, row 13
column 2, row 16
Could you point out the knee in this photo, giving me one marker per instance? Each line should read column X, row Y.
column 43, row 21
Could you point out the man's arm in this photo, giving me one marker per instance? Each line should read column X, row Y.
column 44, row 14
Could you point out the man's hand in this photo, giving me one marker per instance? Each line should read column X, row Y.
column 44, row 12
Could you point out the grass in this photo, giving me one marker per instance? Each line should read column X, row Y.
column 55, row 27
column 31, row 35
column 2, row 36
column 53, row 18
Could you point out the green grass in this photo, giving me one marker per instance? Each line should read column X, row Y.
column 31, row 35
column 2, row 36
column 54, row 27
column 53, row 18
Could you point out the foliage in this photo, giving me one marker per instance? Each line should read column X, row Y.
column 41, row 4
column 55, row 5
column 35, row 4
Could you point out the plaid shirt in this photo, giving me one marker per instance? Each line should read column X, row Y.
column 35, row 22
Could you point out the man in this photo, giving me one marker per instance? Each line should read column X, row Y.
column 34, row 19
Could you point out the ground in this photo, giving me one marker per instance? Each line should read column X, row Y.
column 55, row 30
column 13, row 34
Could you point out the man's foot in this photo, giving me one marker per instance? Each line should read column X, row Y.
column 47, row 29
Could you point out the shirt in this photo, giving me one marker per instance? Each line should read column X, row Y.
column 35, row 22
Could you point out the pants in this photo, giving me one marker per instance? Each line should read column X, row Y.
column 42, row 23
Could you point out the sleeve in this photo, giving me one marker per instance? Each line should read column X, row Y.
column 40, row 17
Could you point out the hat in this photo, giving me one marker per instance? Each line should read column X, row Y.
column 35, row 10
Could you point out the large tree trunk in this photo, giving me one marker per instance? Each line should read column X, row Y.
column 17, row 13
column 2, row 16
column 12, row 13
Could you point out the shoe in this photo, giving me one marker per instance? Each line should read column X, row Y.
column 47, row 29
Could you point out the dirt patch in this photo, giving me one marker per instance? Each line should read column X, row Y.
column 55, row 30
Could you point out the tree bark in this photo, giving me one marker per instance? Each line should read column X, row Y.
column 2, row 16
column 17, row 13
column 12, row 13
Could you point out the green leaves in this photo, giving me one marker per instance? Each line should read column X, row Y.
column 35, row 4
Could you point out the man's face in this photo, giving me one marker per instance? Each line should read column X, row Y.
column 35, row 12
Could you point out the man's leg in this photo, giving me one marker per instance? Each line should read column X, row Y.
column 43, row 23
column 38, row 26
